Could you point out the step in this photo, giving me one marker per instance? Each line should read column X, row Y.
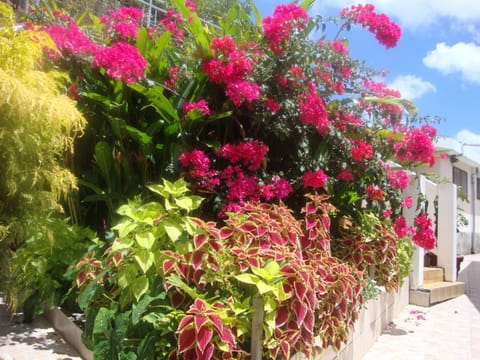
column 432, row 275
column 436, row 292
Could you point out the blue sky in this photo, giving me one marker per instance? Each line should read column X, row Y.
column 436, row 63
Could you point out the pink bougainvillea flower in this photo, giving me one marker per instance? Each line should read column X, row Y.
column 70, row 40
column 250, row 153
column 417, row 146
column 345, row 175
column 387, row 32
column 374, row 193
column 407, row 202
column 387, row 213
column 224, row 45
column 200, row 106
column 401, row 227
column 315, row 179
column 121, row 61
column 197, row 162
column 242, row 92
column 282, row 187
column 313, row 111
column 398, row 179
column 361, row 150
column 278, row 28
column 123, row 22
column 272, row 105
column 424, row 235
column 172, row 22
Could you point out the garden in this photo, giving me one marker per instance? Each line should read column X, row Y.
column 174, row 183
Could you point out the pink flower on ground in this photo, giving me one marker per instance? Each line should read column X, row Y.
column 200, row 106
column 121, row 61
column 315, row 179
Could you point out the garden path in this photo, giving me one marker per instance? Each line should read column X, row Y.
column 446, row 331
column 36, row 341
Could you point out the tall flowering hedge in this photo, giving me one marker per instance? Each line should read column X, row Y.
column 298, row 150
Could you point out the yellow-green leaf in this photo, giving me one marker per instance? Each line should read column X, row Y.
column 144, row 259
column 145, row 240
column 139, row 287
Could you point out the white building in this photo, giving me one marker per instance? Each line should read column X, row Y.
column 461, row 166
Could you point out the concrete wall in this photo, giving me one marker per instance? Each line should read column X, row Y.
column 372, row 320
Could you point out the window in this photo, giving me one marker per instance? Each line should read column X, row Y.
column 478, row 188
column 460, row 178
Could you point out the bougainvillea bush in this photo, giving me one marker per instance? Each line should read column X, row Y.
column 295, row 156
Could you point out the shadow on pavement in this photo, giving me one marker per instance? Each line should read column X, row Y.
column 470, row 275
column 38, row 336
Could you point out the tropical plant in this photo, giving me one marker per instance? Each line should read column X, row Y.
column 38, row 125
column 192, row 279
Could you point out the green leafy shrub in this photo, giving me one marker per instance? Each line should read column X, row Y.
column 38, row 125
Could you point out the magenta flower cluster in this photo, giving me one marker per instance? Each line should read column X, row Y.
column 238, row 179
column 417, row 145
column 200, row 106
column 278, row 28
column 123, row 22
column 313, row 111
column 121, row 60
column 424, row 235
column 315, row 179
column 231, row 67
column 70, row 40
column 398, row 179
column 386, row 32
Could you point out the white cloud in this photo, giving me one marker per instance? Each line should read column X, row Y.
column 463, row 58
column 412, row 87
column 417, row 13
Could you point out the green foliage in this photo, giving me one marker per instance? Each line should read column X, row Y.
column 122, row 290
column 39, row 269
column 38, row 125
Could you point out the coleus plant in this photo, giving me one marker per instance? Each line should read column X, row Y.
column 201, row 278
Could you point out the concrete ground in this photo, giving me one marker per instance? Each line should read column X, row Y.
column 446, row 331
column 36, row 341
